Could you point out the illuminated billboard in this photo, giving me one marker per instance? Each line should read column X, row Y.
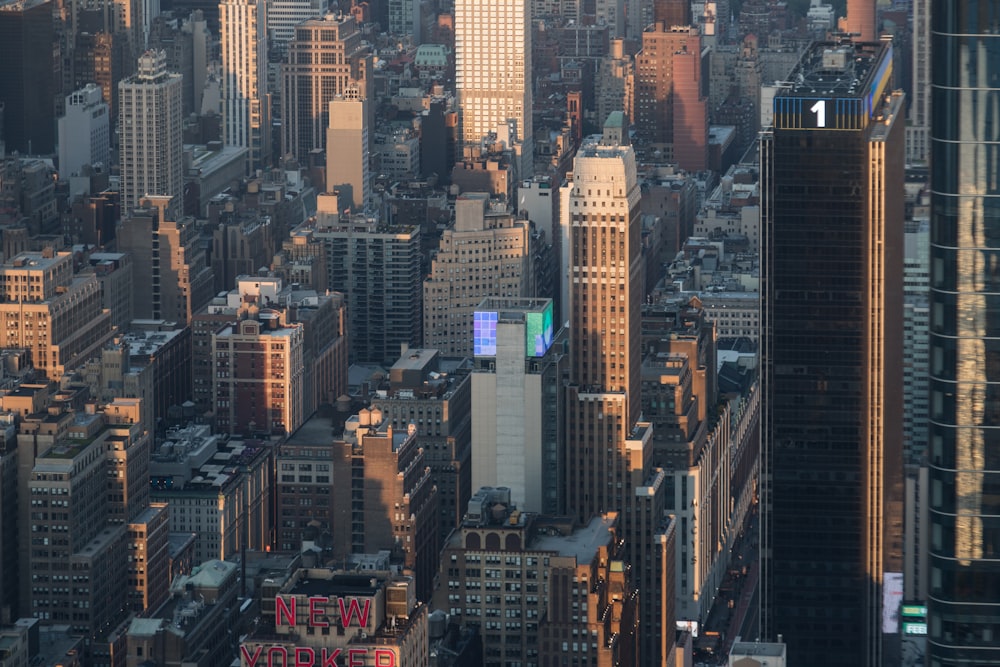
column 484, row 333
column 538, row 332
column 892, row 598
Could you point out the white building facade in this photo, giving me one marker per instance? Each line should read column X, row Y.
column 84, row 132
column 245, row 102
column 493, row 72
column 151, row 144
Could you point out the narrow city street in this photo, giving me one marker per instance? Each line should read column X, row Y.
column 734, row 612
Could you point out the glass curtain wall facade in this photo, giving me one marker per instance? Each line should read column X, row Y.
column 964, row 456
column 831, row 310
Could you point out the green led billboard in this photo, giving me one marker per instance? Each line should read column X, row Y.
column 538, row 332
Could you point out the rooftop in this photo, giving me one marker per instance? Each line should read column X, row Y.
column 833, row 68
column 144, row 627
column 583, row 543
column 338, row 585
column 210, row 574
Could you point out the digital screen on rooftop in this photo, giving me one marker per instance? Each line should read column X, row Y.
column 484, row 334
column 538, row 332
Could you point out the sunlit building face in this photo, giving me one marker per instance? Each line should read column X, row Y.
column 964, row 442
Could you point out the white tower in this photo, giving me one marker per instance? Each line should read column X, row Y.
column 245, row 102
column 84, row 135
column 493, row 71
column 151, row 143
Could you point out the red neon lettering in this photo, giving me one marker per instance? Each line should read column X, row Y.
column 284, row 611
column 316, row 610
column 280, row 650
column 251, row 659
column 329, row 659
column 304, row 656
column 358, row 653
column 385, row 658
column 354, row 609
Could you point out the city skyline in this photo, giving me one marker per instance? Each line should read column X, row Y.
column 494, row 333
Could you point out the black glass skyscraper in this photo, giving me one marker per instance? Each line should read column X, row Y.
column 964, row 445
column 832, row 242
column 29, row 76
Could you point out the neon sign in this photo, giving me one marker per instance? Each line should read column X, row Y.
column 352, row 613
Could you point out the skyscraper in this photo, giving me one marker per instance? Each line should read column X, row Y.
column 84, row 135
column 516, row 397
column 831, row 339
column 605, row 293
column 964, row 453
column 326, row 57
column 608, row 451
column 284, row 15
column 669, row 33
column 151, row 142
column 493, row 71
column 919, row 121
column 347, row 154
column 30, row 76
column 246, row 112
column 377, row 267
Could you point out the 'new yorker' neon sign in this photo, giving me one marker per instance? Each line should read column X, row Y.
column 352, row 613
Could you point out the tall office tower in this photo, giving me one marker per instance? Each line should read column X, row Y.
column 383, row 497
column 434, row 394
column 284, row 16
column 327, row 58
column 487, row 253
column 171, row 279
column 831, row 341
column 493, row 73
column 84, row 132
column 608, row 451
column 187, row 44
column 916, row 341
column 919, row 121
column 347, row 152
column 615, row 82
column 690, row 111
column 246, row 106
column 377, row 267
column 517, row 438
column 150, row 140
column 102, row 58
column 669, row 107
column 963, row 607
column 258, row 384
column 861, row 20
column 54, row 315
column 605, row 274
column 30, row 77
column 73, row 475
